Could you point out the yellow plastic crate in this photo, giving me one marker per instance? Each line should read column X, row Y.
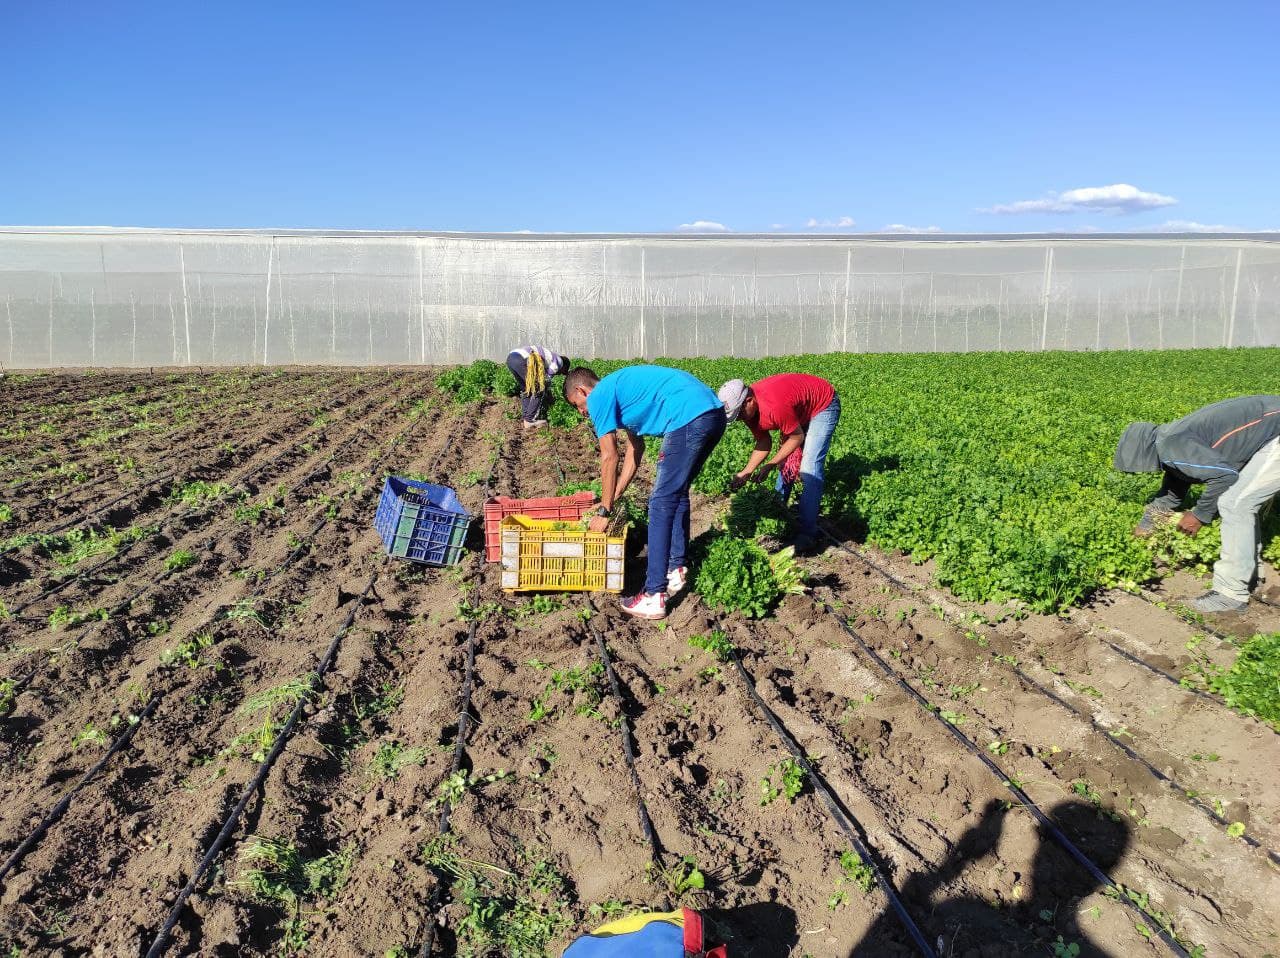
column 537, row 557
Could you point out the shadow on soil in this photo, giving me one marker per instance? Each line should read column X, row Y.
column 972, row 926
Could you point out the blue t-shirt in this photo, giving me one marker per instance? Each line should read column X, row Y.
column 648, row 400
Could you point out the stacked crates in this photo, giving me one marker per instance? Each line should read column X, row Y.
column 542, row 555
column 561, row 508
column 421, row 521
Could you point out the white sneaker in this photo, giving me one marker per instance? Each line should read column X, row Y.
column 676, row 581
column 646, row 605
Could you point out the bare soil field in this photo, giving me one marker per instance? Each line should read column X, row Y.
column 229, row 724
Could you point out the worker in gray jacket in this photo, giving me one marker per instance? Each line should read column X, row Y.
column 1233, row 447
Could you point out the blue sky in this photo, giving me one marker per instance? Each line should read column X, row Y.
column 641, row 117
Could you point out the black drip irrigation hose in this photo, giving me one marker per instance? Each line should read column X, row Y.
column 910, row 587
column 39, row 392
column 64, row 803
column 1114, row 739
column 208, row 544
column 23, row 484
column 173, row 434
column 459, row 745
column 73, row 411
column 835, row 808
column 1156, row 602
column 1158, row 672
column 1183, row 793
column 1023, row 798
column 1225, row 638
column 459, row 751
column 82, row 518
column 183, row 517
column 628, row 748
column 161, row 942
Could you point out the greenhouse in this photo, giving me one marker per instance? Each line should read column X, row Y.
column 144, row 298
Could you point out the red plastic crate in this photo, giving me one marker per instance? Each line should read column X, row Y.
column 554, row 508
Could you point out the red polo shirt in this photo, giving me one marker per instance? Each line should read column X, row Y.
column 788, row 401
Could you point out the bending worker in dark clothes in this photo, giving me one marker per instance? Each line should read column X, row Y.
column 1233, row 447
column 533, row 367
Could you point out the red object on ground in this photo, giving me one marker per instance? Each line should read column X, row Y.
column 565, row 508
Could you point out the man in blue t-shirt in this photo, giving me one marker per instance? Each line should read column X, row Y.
column 651, row 401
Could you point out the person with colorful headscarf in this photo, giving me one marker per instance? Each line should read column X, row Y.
column 804, row 410
column 534, row 367
column 1233, row 447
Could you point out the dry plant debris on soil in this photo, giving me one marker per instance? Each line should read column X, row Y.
column 235, row 542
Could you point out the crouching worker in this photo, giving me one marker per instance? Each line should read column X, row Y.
column 671, row 934
column 534, row 367
column 804, row 409
column 1233, row 447
column 651, row 401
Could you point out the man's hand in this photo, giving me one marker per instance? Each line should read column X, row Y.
column 761, row 474
column 1142, row 532
column 737, row 482
column 598, row 524
column 1189, row 524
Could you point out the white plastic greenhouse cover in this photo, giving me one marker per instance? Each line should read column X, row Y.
column 132, row 297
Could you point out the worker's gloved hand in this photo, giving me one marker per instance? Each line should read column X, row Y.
column 737, row 482
column 1189, row 524
column 761, row 474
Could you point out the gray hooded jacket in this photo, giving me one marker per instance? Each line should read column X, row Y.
column 1210, row 445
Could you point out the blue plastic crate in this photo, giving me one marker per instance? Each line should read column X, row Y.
column 421, row 521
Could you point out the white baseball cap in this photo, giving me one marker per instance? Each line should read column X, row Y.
column 732, row 395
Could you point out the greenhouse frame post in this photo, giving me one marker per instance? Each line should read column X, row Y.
column 333, row 315
column 422, row 310
column 1177, row 303
column 848, row 266
column 1097, row 333
column 933, row 313
column 1044, row 296
column 643, row 299
column 1235, row 295
column 133, row 329
column 1000, row 319
column 902, row 294
column 186, row 304
column 266, row 322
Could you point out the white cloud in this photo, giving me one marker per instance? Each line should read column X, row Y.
column 840, row 223
column 903, row 228
column 1116, row 198
column 777, row 226
column 704, row 226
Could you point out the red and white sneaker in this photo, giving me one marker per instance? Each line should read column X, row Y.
column 676, row 580
column 646, row 605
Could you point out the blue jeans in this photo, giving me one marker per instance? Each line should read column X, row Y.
column 817, row 443
column 684, row 452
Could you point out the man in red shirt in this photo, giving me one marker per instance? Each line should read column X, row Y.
column 804, row 409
